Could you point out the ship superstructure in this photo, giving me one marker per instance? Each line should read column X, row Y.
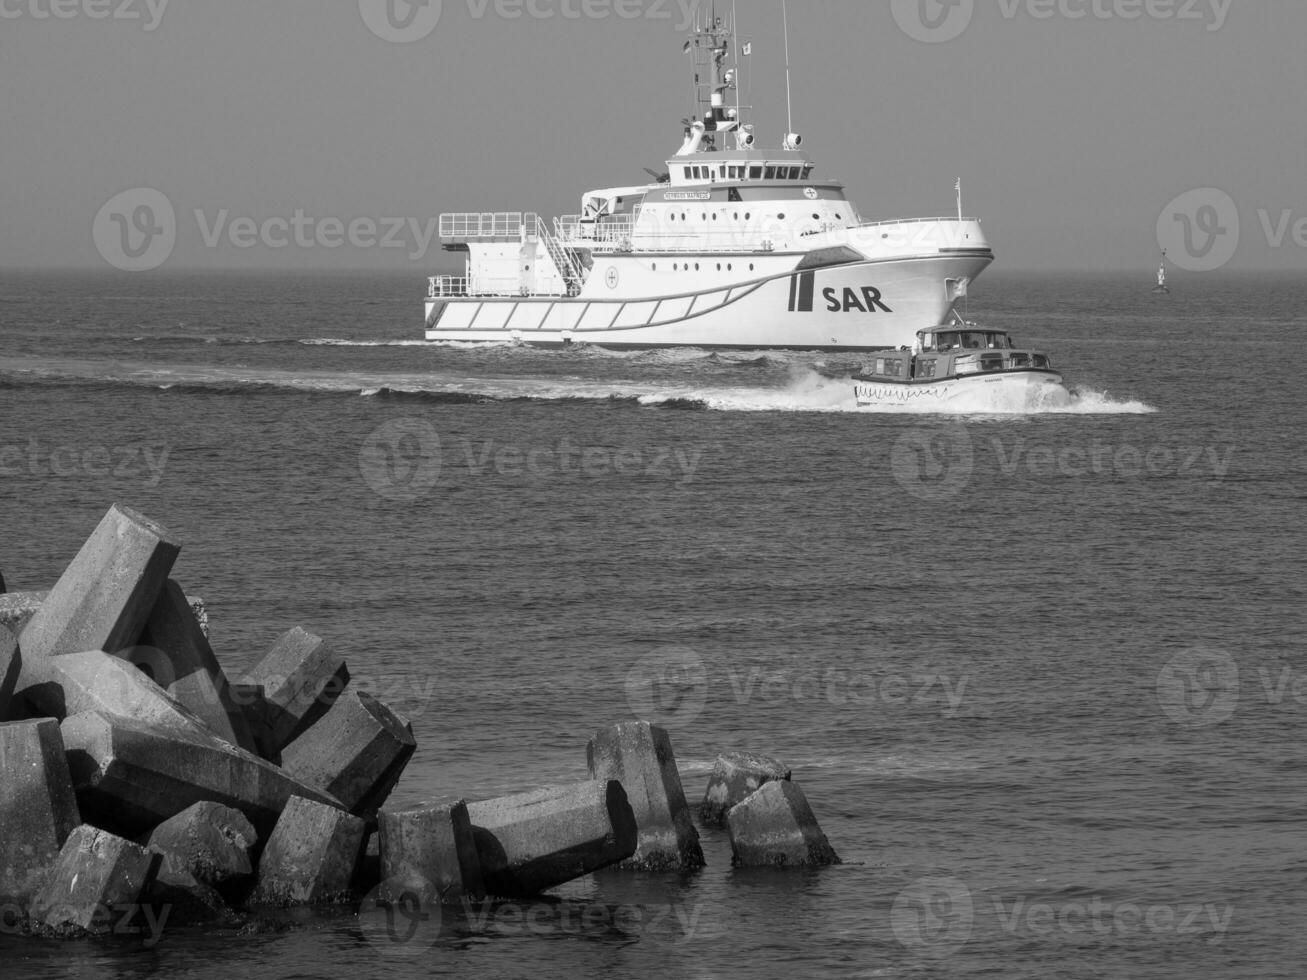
column 732, row 247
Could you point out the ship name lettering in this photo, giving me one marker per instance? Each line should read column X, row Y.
column 869, row 302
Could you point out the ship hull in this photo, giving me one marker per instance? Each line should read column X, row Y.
column 850, row 307
column 1005, row 390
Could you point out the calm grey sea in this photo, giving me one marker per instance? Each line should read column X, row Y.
column 1042, row 676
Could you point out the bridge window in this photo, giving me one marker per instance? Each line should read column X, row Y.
column 755, row 173
column 689, row 173
column 926, row 368
column 771, row 173
column 807, row 171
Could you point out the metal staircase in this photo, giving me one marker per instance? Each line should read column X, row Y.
column 564, row 258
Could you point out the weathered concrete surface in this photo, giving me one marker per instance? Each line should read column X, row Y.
column 311, row 856
column 17, row 609
column 95, row 681
column 301, row 676
column 96, row 879
column 104, row 597
column 430, row 851
column 176, row 655
column 211, row 844
column 531, row 842
column 775, row 827
column 37, row 807
column 132, row 777
column 639, row 756
column 357, row 753
column 735, row 776
column 10, row 667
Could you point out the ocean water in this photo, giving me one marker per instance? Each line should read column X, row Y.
column 1041, row 675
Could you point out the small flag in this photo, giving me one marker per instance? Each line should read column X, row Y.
column 747, row 49
column 686, row 49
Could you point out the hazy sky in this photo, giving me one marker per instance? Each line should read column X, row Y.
column 1074, row 124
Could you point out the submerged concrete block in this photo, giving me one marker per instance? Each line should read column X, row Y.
column 96, row 879
column 104, row 597
column 735, row 776
column 174, row 652
column 357, row 753
column 185, row 900
column 209, row 843
column 775, row 827
column 531, row 842
column 311, row 856
column 132, row 777
column 431, row 852
column 301, row 676
column 639, row 756
column 37, row 807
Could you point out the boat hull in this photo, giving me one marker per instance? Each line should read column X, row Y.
column 855, row 306
column 1001, row 390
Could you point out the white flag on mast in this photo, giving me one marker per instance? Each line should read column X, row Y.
column 747, row 49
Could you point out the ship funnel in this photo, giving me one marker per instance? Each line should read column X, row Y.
column 793, row 141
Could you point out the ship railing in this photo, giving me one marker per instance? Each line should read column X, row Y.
column 912, row 221
column 441, row 286
column 484, row 224
column 622, row 237
column 449, row 287
column 610, row 231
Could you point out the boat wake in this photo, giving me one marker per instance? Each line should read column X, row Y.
column 796, row 390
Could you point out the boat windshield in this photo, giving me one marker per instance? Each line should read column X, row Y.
column 966, row 339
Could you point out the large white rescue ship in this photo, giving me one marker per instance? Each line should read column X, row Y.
column 734, row 247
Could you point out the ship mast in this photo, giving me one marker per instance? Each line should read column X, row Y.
column 712, row 45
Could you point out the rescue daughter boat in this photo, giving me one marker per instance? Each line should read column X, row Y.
column 958, row 362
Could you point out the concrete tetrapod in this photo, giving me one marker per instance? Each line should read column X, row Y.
column 96, row 883
column 357, row 753
column 531, row 842
column 774, row 827
column 735, row 776
column 175, row 653
column 311, row 856
column 432, row 852
column 639, row 756
column 37, row 807
column 105, row 596
column 301, row 677
column 132, row 777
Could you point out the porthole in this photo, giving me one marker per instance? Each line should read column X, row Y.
column 780, row 217
column 696, row 267
column 750, row 266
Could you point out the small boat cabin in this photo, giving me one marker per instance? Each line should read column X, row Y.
column 952, row 350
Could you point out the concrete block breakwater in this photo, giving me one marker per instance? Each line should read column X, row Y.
column 141, row 786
